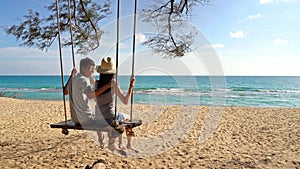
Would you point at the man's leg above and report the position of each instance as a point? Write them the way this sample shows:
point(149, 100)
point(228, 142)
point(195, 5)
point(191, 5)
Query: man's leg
point(112, 139)
point(121, 142)
point(101, 139)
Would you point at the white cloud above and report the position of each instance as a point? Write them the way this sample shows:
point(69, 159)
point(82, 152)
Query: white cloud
point(209, 46)
point(285, 0)
point(280, 41)
point(218, 45)
point(272, 1)
point(140, 38)
point(254, 16)
point(237, 34)
point(269, 63)
point(265, 1)
point(123, 45)
point(22, 53)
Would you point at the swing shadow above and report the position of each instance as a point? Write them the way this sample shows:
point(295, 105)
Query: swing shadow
point(21, 149)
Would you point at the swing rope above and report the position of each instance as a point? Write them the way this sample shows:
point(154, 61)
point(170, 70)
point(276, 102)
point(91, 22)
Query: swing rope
point(117, 58)
point(72, 49)
point(133, 53)
point(71, 32)
point(60, 59)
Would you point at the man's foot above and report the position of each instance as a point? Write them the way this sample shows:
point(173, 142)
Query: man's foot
point(129, 147)
point(122, 147)
point(114, 148)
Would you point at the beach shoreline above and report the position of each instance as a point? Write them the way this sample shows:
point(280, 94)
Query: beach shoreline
point(244, 137)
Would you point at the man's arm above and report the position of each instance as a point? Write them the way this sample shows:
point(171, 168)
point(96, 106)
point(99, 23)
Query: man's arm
point(92, 94)
point(102, 89)
point(73, 73)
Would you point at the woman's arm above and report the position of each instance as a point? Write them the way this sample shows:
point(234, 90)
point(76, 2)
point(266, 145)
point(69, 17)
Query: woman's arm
point(121, 96)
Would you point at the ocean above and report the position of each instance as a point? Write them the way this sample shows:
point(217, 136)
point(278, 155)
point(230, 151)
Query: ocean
point(251, 91)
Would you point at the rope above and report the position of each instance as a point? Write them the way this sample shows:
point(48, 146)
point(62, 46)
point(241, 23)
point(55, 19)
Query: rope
point(117, 58)
point(133, 53)
point(71, 34)
point(60, 58)
point(73, 55)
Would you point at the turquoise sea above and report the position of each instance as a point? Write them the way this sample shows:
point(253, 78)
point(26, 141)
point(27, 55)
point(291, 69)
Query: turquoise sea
point(253, 91)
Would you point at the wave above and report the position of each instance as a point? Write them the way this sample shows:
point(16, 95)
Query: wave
point(220, 93)
point(43, 89)
point(159, 90)
point(249, 89)
point(244, 89)
point(173, 92)
point(240, 91)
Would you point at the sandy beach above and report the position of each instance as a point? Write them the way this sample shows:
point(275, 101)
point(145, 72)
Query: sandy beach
point(243, 138)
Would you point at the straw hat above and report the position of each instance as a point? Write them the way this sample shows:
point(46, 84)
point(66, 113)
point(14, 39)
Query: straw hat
point(107, 66)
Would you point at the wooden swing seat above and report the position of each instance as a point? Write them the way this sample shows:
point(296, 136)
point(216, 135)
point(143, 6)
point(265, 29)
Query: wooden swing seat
point(100, 126)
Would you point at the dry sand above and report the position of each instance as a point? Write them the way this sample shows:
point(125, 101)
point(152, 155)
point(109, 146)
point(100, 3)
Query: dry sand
point(244, 138)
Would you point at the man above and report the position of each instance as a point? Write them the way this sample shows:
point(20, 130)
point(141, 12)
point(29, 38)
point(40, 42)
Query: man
point(80, 87)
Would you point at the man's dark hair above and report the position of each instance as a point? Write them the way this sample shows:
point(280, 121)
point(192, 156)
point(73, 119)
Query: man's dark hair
point(84, 63)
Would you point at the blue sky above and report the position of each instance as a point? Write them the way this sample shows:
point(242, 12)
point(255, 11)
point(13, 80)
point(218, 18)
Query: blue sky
point(253, 37)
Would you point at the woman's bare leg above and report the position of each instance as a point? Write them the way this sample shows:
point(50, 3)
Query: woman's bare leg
point(130, 134)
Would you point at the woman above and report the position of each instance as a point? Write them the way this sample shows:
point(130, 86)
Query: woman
point(106, 101)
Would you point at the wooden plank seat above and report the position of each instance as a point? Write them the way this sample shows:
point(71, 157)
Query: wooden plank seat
point(99, 126)
point(131, 124)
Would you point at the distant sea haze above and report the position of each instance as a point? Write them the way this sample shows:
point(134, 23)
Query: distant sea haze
point(252, 91)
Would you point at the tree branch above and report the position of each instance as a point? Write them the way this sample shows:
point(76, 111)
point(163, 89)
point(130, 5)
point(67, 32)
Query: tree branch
point(92, 24)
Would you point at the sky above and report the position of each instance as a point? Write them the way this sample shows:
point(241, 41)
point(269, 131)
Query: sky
point(246, 38)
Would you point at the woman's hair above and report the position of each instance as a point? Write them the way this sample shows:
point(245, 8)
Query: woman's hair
point(104, 79)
